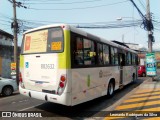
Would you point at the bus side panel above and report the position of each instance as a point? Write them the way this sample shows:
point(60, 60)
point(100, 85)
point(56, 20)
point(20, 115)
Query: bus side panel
point(21, 65)
point(65, 57)
point(65, 64)
point(91, 83)
point(127, 73)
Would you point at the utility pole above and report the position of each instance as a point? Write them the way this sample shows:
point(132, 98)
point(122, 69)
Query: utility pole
point(150, 33)
point(150, 37)
point(15, 29)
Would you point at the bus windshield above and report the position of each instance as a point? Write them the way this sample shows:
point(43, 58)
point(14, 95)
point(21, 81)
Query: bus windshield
point(43, 41)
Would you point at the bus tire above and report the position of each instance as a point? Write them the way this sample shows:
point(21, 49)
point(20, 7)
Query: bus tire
point(110, 91)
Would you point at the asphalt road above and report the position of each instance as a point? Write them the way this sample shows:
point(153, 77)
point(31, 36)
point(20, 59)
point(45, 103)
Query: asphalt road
point(95, 109)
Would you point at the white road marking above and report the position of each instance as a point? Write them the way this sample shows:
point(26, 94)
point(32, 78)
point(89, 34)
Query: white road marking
point(26, 100)
point(13, 102)
point(8, 97)
point(30, 107)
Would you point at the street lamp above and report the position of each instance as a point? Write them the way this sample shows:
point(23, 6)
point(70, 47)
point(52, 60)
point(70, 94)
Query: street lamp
point(121, 18)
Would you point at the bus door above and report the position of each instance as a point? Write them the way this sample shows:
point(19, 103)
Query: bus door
point(122, 63)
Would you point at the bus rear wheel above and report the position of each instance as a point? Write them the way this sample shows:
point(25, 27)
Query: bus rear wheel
point(110, 89)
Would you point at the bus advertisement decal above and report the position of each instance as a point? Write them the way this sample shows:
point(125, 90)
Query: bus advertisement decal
point(88, 80)
point(56, 45)
point(27, 64)
point(27, 43)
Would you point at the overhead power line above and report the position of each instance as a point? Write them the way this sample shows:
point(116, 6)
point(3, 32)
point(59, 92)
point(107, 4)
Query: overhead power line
point(5, 24)
point(112, 25)
point(94, 25)
point(18, 4)
point(39, 2)
point(147, 24)
point(142, 4)
point(5, 16)
point(141, 14)
point(5, 21)
point(81, 7)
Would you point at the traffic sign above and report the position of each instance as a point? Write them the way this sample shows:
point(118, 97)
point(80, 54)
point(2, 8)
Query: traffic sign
point(13, 68)
point(151, 68)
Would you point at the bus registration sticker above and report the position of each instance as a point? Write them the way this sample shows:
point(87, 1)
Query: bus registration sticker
point(56, 45)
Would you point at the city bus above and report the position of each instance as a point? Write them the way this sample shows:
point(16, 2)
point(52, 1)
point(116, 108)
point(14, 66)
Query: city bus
point(62, 64)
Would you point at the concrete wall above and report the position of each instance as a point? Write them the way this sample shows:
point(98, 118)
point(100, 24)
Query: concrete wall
point(6, 55)
point(6, 70)
point(5, 40)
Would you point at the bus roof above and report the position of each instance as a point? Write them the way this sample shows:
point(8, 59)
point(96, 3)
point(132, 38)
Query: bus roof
point(81, 32)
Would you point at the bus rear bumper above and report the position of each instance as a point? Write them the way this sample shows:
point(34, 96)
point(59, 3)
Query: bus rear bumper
point(64, 99)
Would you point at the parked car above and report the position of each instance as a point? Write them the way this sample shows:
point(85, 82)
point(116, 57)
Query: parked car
point(7, 86)
point(142, 71)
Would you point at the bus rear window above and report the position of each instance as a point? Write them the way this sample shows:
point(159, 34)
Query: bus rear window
point(43, 41)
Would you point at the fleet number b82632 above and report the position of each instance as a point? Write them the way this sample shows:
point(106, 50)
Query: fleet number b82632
point(47, 66)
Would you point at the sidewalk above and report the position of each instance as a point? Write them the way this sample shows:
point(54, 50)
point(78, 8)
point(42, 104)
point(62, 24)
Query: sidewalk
point(143, 104)
point(158, 75)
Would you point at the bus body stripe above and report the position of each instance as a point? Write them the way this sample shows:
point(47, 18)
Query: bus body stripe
point(21, 61)
point(64, 60)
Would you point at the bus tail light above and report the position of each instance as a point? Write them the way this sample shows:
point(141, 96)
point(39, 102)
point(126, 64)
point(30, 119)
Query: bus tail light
point(20, 77)
point(21, 80)
point(62, 84)
point(63, 78)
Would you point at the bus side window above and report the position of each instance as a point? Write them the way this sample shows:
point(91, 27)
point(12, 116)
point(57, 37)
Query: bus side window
point(100, 53)
point(128, 58)
point(89, 52)
point(133, 59)
point(106, 56)
point(78, 58)
point(112, 56)
point(93, 51)
point(137, 60)
point(78, 52)
point(116, 56)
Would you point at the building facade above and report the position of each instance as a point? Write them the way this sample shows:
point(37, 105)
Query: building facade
point(6, 53)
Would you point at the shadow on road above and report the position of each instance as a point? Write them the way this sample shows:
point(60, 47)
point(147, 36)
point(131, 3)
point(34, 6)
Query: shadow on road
point(15, 93)
point(88, 109)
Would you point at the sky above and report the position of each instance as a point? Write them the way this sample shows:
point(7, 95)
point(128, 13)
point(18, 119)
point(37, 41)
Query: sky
point(85, 13)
